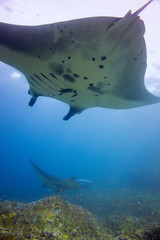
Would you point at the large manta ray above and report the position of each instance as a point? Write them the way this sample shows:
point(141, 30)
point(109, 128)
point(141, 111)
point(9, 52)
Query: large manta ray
point(59, 184)
point(89, 62)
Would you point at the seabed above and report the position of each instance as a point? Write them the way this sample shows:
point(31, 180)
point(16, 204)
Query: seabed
point(111, 215)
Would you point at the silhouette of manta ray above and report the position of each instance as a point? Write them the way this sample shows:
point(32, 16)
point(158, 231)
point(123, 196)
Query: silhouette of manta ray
point(59, 184)
point(89, 62)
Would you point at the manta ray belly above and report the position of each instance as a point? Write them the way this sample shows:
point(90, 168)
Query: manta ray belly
point(90, 62)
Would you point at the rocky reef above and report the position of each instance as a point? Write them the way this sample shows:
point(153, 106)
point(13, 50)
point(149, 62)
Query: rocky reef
point(54, 218)
point(49, 218)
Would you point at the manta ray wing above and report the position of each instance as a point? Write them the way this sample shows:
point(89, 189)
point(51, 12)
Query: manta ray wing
point(90, 62)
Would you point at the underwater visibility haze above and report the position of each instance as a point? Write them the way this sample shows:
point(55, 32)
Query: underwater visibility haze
point(117, 149)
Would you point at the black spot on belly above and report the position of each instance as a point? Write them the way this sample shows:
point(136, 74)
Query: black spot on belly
point(95, 89)
point(91, 85)
point(75, 75)
point(101, 66)
point(66, 90)
point(73, 93)
point(85, 78)
point(105, 77)
point(69, 57)
point(103, 58)
point(93, 59)
point(57, 68)
point(135, 58)
point(72, 100)
point(68, 78)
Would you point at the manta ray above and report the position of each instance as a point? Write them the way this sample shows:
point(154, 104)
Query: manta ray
point(59, 184)
point(86, 63)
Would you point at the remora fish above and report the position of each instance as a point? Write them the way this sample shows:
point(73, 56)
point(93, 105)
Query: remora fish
point(89, 62)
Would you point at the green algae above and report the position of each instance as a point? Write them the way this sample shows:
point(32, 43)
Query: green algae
point(50, 218)
point(150, 232)
point(54, 218)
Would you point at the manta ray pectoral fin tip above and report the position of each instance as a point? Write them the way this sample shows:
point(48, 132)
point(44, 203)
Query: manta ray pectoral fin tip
point(72, 112)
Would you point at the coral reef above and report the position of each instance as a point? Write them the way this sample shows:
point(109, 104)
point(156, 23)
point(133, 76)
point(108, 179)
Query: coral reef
point(50, 218)
point(151, 232)
point(54, 218)
point(125, 214)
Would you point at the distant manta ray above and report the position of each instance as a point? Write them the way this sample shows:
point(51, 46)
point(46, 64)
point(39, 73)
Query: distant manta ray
point(89, 62)
point(59, 184)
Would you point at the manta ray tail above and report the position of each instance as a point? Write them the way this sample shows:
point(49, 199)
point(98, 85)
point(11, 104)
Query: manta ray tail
point(142, 8)
point(129, 14)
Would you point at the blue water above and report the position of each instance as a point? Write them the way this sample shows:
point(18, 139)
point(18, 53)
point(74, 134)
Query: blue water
point(116, 149)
